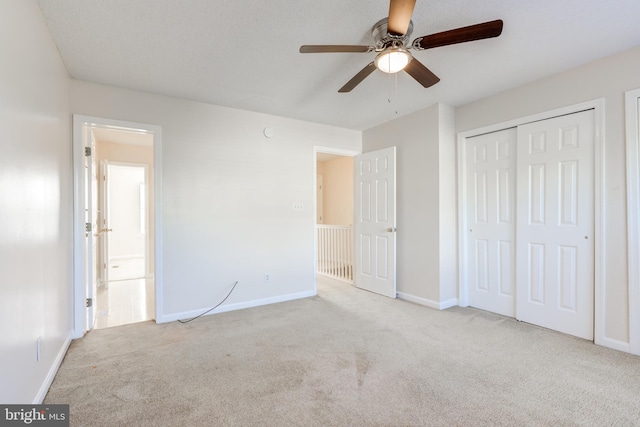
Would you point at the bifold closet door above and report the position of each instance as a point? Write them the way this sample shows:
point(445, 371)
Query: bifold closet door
point(555, 224)
point(490, 212)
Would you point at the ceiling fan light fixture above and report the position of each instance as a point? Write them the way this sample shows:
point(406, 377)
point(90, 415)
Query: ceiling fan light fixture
point(393, 59)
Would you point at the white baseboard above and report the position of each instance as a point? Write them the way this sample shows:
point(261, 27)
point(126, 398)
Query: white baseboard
point(44, 388)
point(237, 306)
point(442, 305)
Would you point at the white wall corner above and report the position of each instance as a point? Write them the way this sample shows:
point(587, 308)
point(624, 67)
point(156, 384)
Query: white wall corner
point(438, 305)
point(463, 295)
point(448, 261)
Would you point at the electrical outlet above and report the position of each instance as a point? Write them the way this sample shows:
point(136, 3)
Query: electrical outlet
point(267, 277)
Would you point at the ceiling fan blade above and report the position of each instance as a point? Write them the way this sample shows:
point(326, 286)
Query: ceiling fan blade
point(355, 81)
point(400, 12)
point(328, 48)
point(485, 30)
point(422, 74)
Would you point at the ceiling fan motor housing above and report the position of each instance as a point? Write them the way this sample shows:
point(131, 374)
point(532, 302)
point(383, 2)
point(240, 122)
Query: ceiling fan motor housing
point(384, 39)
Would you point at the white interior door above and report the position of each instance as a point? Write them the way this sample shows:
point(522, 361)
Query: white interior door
point(490, 205)
point(375, 221)
point(555, 215)
point(91, 215)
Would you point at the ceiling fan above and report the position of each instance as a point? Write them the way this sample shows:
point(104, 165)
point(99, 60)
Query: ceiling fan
point(391, 36)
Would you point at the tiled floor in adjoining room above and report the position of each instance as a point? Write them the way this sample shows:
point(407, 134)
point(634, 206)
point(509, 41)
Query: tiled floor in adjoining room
point(124, 302)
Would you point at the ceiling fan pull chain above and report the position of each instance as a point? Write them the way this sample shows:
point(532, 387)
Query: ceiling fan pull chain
point(396, 79)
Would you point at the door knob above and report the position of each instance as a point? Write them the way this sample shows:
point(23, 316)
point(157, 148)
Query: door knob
point(104, 230)
point(391, 229)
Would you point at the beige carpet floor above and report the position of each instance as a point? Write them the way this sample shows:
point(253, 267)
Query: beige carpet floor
point(345, 358)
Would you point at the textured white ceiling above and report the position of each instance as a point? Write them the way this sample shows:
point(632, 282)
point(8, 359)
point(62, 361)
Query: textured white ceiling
point(244, 53)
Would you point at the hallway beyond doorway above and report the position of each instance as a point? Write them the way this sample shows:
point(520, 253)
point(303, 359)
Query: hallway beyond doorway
point(123, 302)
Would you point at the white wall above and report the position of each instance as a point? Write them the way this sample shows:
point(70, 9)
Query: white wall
point(607, 78)
point(35, 204)
point(448, 207)
point(426, 236)
point(227, 196)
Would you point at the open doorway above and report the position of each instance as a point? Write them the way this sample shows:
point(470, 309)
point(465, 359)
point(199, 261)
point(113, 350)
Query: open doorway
point(334, 214)
point(122, 285)
point(126, 290)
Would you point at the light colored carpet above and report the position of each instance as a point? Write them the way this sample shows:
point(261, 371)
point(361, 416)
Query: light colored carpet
point(345, 358)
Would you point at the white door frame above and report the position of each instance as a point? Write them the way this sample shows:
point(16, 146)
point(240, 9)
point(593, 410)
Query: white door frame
point(328, 150)
point(632, 110)
point(599, 209)
point(79, 293)
point(91, 218)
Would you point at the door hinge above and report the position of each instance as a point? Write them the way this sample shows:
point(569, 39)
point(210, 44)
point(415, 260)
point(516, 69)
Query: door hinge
point(89, 302)
point(87, 151)
point(87, 226)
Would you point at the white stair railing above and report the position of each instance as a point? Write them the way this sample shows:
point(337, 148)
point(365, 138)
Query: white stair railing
point(335, 251)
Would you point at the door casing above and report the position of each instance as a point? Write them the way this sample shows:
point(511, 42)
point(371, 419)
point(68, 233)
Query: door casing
point(80, 122)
